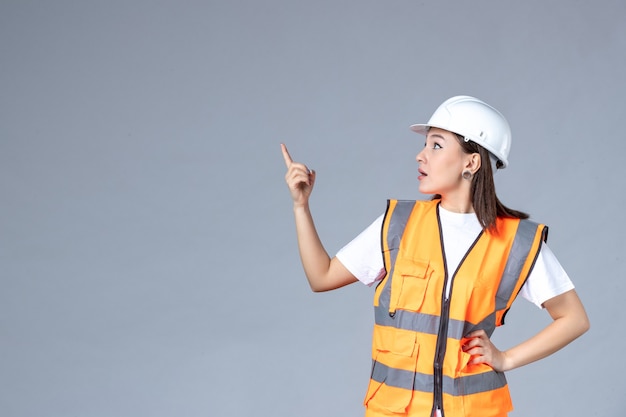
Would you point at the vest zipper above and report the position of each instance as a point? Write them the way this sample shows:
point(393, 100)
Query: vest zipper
point(440, 352)
point(442, 335)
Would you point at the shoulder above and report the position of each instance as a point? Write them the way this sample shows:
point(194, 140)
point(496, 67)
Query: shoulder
point(400, 211)
point(411, 205)
point(522, 228)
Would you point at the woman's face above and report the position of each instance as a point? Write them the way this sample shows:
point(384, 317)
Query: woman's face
point(441, 163)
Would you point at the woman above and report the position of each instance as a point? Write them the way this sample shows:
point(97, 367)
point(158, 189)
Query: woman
point(448, 271)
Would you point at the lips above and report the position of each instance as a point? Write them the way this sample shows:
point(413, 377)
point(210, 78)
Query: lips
point(422, 173)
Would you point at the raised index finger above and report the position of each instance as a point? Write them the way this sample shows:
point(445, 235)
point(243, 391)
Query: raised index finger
point(286, 155)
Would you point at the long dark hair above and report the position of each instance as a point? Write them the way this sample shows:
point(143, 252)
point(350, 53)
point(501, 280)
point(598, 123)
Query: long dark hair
point(483, 190)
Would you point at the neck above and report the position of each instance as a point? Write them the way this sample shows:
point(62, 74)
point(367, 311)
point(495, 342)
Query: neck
point(457, 205)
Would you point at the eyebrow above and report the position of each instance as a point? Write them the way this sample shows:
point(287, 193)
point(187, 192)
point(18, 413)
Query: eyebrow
point(437, 135)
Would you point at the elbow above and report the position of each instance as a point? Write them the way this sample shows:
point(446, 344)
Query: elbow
point(314, 288)
point(323, 286)
point(318, 288)
point(319, 283)
point(580, 326)
point(581, 318)
point(585, 325)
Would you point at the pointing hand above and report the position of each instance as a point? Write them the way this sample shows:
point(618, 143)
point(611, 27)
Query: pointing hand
point(299, 178)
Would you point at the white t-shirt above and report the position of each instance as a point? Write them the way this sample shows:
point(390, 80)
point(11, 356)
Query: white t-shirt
point(363, 256)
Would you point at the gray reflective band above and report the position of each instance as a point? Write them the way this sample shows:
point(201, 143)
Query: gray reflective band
point(465, 385)
point(522, 243)
point(488, 324)
point(397, 224)
point(419, 322)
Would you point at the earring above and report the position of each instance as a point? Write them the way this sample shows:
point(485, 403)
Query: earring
point(467, 175)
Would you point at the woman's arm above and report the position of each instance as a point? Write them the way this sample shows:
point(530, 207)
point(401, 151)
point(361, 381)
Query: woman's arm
point(569, 322)
point(322, 272)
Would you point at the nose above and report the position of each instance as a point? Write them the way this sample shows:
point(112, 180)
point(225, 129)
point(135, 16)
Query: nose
point(420, 156)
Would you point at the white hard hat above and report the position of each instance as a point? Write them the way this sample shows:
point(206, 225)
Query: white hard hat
point(475, 120)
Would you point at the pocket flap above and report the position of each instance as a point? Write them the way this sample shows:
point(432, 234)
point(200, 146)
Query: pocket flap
point(397, 341)
point(408, 267)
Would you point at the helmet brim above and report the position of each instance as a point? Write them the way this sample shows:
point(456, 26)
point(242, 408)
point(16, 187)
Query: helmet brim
point(423, 129)
point(420, 128)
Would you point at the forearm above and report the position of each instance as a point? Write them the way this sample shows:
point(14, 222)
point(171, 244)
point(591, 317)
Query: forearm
point(315, 259)
point(569, 322)
point(552, 338)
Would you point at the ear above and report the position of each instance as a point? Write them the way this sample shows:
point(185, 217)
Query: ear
point(473, 162)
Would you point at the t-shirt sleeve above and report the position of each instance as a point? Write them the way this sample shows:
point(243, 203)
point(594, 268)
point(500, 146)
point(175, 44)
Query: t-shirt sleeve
point(363, 255)
point(547, 279)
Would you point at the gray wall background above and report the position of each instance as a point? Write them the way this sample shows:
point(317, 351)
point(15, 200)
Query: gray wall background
point(147, 249)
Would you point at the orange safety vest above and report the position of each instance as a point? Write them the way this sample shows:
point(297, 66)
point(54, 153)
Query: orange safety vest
point(418, 363)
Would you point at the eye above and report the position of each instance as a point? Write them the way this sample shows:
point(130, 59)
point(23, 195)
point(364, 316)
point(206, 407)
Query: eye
point(436, 146)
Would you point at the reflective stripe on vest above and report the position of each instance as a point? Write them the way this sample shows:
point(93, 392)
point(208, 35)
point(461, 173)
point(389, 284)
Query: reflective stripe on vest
point(408, 312)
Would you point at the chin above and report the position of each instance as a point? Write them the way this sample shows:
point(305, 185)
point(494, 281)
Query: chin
point(426, 190)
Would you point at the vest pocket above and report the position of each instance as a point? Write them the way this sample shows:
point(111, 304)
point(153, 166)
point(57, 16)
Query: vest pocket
point(464, 369)
point(463, 363)
point(393, 370)
point(481, 390)
point(410, 281)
